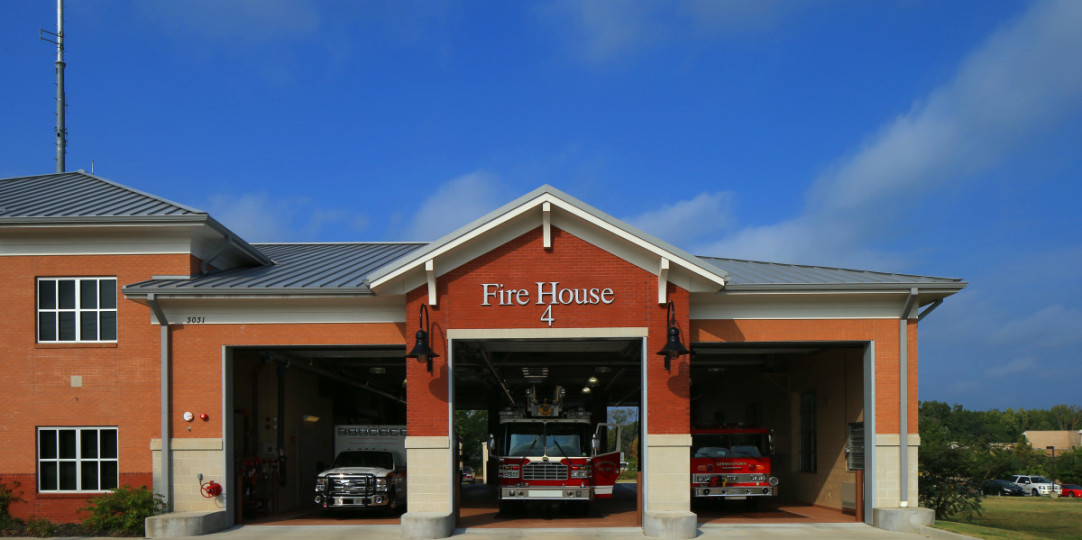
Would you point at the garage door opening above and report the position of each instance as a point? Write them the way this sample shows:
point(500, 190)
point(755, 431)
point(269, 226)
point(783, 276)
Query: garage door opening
point(781, 410)
point(288, 405)
point(528, 410)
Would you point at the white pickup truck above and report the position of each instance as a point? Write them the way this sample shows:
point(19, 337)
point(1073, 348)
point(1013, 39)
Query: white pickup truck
point(1033, 484)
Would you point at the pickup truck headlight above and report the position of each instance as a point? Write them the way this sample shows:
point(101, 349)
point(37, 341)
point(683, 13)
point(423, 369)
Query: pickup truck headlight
point(381, 484)
point(321, 483)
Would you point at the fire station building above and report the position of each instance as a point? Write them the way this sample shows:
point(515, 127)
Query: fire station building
point(149, 345)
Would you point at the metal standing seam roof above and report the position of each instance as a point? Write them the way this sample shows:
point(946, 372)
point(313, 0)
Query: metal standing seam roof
point(755, 275)
point(78, 196)
point(301, 268)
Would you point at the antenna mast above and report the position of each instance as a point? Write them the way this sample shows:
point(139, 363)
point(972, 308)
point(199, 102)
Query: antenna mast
point(61, 130)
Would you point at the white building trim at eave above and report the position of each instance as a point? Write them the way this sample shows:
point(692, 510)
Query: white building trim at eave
point(797, 305)
point(536, 204)
point(195, 311)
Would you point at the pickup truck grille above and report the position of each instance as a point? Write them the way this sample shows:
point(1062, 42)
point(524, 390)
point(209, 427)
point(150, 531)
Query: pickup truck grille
point(544, 471)
point(353, 484)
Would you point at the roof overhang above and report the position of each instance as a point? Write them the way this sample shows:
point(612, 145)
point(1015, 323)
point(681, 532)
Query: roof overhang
point(543, 207)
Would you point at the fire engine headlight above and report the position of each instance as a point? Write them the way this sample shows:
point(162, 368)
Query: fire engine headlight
point(700, 478)
point(578, 474)
point(381, 484)
point(758, 478)
point(321, 484)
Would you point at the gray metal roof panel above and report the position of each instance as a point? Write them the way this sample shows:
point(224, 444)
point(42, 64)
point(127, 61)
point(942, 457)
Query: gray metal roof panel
point(745, 274)
point(80, 196)
point(317, 268)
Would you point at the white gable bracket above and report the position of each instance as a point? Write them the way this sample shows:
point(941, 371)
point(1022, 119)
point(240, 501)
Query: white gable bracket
point(663, 282)
point(546, 222)
point(430, 274)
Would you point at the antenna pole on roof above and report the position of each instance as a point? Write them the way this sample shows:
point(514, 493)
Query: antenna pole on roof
point(61, 130)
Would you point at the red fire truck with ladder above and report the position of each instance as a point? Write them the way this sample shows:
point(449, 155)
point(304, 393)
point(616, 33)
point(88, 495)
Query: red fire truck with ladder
point(546, 453)
point(732, 462)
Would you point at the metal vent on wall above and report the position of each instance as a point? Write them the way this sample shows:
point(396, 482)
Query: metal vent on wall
point(854, 447)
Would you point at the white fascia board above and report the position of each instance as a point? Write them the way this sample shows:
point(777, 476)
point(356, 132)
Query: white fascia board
point(282, 310)
point(559, 208)
point(644, 244)
point(143, 239)
point(837, 305)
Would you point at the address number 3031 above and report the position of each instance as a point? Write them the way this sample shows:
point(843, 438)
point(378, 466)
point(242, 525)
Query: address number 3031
point(195, 320)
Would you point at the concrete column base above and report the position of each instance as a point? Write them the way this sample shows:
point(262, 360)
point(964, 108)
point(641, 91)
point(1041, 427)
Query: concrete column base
point(427, 525)
point(672, 524)
point(908, 520)
point(176, 524)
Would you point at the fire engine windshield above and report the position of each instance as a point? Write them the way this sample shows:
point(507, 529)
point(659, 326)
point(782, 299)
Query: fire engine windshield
point(723, 445)
point(382, 460)
point(550, 439)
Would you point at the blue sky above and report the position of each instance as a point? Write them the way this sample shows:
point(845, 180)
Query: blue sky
point(928, 137)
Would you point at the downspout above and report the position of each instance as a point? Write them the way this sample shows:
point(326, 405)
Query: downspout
point(903, 391)
point(166, 490)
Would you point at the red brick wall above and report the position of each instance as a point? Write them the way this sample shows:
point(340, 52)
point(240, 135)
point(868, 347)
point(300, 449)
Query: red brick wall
point(36, 382)
point(885, 333)
point(519, 264)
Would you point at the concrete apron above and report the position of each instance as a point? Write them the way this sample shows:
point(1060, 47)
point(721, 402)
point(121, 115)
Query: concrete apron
point(827, 531)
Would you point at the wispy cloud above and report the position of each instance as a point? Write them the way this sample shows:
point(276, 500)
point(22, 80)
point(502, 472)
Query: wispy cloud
point(685, 223)
point(1014, 367)
point(1015, 86)
point(455, 203)
point(602, 30)
point(244, 21)
point(257, 217)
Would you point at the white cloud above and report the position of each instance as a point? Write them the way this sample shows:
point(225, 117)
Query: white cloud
point(601, 30)
point(256, 217)
point(246, 21)
point(684, 223)
point(1016, 366)
point(456, 203)
point(1019, 82)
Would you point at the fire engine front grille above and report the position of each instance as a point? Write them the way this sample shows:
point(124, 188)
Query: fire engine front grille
point(358, 484)
point(544, 471)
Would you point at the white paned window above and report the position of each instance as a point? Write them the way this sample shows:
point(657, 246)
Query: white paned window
point(77, 459)
point(76, 310)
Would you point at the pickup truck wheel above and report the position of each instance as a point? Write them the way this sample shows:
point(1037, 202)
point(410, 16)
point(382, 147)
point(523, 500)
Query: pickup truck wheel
point(1035, 493)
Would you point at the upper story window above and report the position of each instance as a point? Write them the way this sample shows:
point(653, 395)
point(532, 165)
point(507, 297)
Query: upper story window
point(76, 309)
point(77, 459)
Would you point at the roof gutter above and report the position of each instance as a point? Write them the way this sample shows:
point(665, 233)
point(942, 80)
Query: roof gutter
point(166, 489)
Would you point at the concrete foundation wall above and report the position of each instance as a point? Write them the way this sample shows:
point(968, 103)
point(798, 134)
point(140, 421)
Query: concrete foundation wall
point(192, 457)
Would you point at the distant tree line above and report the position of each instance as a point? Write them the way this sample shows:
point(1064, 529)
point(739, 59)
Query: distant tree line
point(961, 449)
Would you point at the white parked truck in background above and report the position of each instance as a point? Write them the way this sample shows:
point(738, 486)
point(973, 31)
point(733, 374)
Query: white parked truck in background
point(369, 469)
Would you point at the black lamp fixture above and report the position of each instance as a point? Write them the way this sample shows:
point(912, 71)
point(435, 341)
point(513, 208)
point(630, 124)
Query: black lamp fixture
point(673, 348)
point(421, 351)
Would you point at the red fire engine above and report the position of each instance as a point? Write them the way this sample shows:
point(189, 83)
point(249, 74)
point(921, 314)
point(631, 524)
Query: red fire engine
point(541, 454)
point(732, 462)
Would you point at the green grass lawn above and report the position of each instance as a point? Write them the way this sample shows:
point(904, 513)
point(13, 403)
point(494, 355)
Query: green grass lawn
point(1022, 518)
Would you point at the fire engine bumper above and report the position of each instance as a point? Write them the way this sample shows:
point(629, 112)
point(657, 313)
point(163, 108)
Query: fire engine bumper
point(377, 500)
point(545, 493)
point(734, 491)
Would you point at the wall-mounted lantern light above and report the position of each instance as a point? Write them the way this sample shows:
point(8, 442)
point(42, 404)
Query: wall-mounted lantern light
point(421, 351)
point(673, 348)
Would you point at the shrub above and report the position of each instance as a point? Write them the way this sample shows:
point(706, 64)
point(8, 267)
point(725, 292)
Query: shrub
point(40, 527)
point(123, 511)
point(7, 497)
